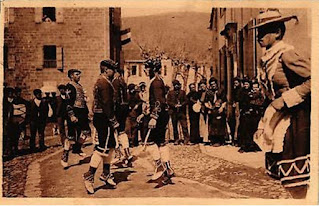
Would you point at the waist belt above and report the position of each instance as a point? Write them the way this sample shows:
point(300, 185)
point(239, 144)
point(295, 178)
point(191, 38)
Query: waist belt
point(102, 150)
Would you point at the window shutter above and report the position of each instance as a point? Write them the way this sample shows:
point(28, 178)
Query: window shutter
point(59, 15)
point(38, 15)
point(59, 58)
point(11, 15)
point(139, 70)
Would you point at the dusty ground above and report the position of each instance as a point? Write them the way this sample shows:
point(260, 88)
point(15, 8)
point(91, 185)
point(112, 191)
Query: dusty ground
point(198, 175)
point(15, 170)
point(190, 163)
point(132, 182)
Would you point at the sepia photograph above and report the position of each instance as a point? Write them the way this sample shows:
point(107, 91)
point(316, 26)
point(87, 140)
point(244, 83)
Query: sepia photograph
point(145, 103)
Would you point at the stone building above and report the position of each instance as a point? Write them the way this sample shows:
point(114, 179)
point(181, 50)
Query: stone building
point(134, 71)
point(42, 44)
point(235, 49)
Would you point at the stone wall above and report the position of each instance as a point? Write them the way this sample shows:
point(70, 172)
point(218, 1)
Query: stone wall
point(82, 33)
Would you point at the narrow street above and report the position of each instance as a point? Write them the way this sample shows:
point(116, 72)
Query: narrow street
point(197, 175)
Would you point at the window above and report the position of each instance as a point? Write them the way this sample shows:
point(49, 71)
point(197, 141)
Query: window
point(165, 70)
point(49, 56)
point(48, 14)
point(222, 11)
point(134, 68)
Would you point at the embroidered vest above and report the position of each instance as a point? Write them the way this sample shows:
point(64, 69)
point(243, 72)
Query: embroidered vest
point(80, 101)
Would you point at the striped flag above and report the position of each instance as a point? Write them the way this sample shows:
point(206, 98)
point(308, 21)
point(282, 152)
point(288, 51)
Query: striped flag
point(126, 36)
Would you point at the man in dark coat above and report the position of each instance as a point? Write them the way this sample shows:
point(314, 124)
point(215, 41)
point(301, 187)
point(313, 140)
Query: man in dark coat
point(245, 114)
point(234, 120)
point(135, 109)
point(24, 108)
point(192, 98)
point(61, 112)
point(7, 112)
point(121, 112)
point(105, 122)
point(39, 109)
point(18, 119)
point(177, 101)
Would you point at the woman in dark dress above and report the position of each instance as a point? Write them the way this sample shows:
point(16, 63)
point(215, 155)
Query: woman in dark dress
point(192, 98)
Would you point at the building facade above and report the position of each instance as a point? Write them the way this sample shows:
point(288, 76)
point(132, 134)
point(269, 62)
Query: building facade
point(236, 51)
point(42, 44)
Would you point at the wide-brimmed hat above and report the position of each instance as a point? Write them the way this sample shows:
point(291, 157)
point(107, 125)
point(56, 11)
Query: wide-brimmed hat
point(271, 16)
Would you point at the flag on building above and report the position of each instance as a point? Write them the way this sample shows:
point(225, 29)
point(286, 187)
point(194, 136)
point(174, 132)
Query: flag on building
point(125, 36)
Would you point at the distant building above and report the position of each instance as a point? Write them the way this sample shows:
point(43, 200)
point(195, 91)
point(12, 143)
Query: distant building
point(235, 49)
point(134, 71)
point(42, 44)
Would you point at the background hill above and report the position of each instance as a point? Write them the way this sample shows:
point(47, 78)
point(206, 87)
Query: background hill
point(182, 36)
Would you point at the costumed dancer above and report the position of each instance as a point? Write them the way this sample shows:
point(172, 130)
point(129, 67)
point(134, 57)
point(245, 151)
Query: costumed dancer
point(284, 131)
point(143, 118)
point(158, 122)
point(107, 127)
point(78, 121)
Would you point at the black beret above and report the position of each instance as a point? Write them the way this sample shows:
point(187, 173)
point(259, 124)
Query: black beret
point(237, 79)
point(110, 64)
point(61, 86)
point(71, 71)
point(18, 89)
point(141, 84)
point(9, 90)
point(213, 79)
point(246, 79)
point(254, 81)
point(37, 91)
point(176, 82)
point(131, 87)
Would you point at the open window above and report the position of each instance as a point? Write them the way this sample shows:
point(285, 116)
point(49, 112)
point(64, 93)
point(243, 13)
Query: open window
point(48, 14)
point(134, 68)
point(222, 12)
point(49, 56)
